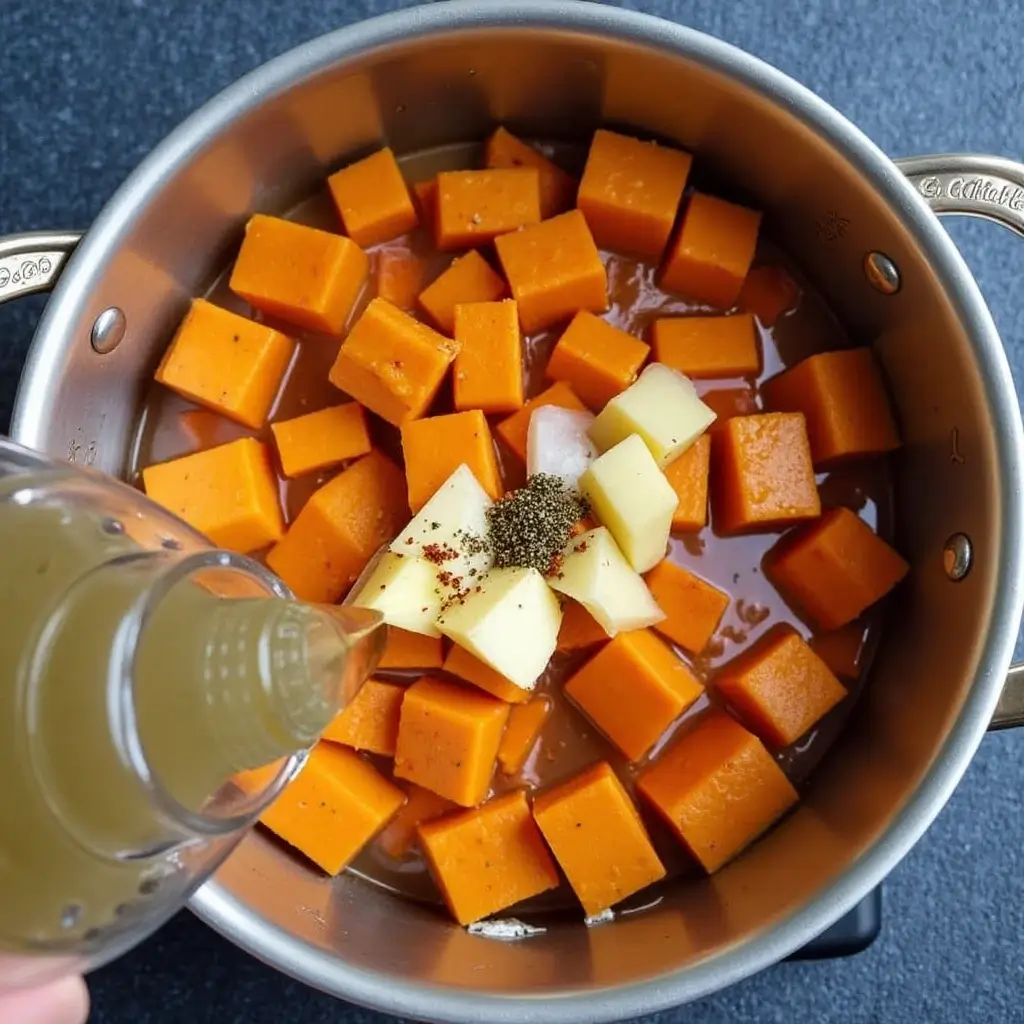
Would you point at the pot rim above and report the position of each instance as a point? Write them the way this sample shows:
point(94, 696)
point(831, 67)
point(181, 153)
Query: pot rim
point(230, 917)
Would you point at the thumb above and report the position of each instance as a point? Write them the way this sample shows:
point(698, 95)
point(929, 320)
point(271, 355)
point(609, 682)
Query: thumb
point(61, 1002)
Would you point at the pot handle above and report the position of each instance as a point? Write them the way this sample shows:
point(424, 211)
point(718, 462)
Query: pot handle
point(31, 262)
point(990, 187)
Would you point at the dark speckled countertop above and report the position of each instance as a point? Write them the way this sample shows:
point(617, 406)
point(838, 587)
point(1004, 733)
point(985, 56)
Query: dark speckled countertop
point(87, 87)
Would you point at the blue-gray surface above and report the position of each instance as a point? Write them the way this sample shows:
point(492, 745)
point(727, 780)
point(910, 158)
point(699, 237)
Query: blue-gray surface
point(88, 86)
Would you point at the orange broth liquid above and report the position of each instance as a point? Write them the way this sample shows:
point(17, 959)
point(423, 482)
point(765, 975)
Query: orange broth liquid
point(170, 427)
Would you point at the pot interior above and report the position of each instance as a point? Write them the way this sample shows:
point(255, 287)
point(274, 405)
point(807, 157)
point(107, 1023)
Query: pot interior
point(829, 200)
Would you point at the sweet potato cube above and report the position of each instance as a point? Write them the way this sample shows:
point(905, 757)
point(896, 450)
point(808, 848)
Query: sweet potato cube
point(392, 363)
point(435, 447)
point(717, 788)
point(448, 737)
point(308, 277)
point(373, 199)
point(554, 271)
point(693, 607)
point(597, 837)
point(779, 687)
point(630, 193)
point(340, 528)
point(832, 570)
point(400, 277)
point(633, 689)
point(525, 722)
point(321, 439)
point(227, 363)
point(332, 808)
point(688, 476)
point(470, 278)
point(843, 399)
point(370, 722)
point(228, 493)
point(426, 199)
point(557, 187)
point(459, 662)
point(842, 650)
point(488, 859)
point(399, 835)
point(515, 430)
point(404, 649)
point(728, 402)
point(769, 292)
point(763, 477)
point(712, 252)
point(488, 370)
point(597, 360)
point(579, 628)
point(474, 207)
point(708, 347)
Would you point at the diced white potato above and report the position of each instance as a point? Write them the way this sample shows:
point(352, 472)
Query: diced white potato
point(511, 623)
point(662, 406)
point(595, 573)
point(558, 443)
point(457, 509)
point(629, 494)
point(405, 591)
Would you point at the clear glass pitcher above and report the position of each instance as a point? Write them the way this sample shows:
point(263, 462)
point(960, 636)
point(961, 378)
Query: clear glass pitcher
point(142, 674)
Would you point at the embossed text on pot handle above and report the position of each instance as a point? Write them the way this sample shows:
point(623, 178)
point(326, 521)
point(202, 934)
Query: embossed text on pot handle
point(32, 262)
point(968, 183)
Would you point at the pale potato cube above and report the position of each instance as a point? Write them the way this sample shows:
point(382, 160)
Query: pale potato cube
point(662, 407)
point(595, 573)
point(511, 623)
point(557, 443)
point(457, 510)
point(405, 591)
point(629, 494)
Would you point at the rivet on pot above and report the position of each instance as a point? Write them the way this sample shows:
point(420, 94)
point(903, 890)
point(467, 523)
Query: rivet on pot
point(957, 556)
point(108, 330)
point(882, 273)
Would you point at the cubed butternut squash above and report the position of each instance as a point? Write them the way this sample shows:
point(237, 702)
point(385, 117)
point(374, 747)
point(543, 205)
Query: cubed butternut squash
point(688, 476)
point(693, 607)
point(728, 402)
point(300, 274)
point(515, 430)
point(842, 650)
point(426, 199)
point(399, 835)
point(401, 276)
point(769, 293)
point(227, 363)
point(832, 570)
point(373, 199)
point(474, 207)
point(404, 649)
point(488, 859)
point(459, 662)
point(579, 628)
point(717, 788)
point(321, 439)
point(448, 738)
point(470, 278)
point(370, 722)
point(488, 371)
point(525, 722)
point(708, 347)
point(228, 493)
point(557, 187)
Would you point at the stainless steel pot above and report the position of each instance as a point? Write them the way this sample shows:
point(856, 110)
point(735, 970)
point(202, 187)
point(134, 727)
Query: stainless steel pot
point(857, 222)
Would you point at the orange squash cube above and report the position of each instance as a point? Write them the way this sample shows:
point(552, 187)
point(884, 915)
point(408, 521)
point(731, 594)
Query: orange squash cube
point(579, 628)
point(843, 398)
point(448, 737)
point(842, 650)
point(308, 277)
point(399, 835)
point(688, 476)
point(391, 363)
point(404, 649)
point(426, 199)
point(554, 271)
point(598, 361)
point(728, 402)
point(630, 193)
point(461, 663)
point(435, 447)
point(514, 431)
point(227, 363)
point(769, 293)
point(400, 277)
point(712, 252)
point(834, 569)
point(693, 607)
point(488, 370)
point(228, 493)
point(488, 859)
point(474, 207)
point(779, 687)
point(370, 722)
point(340, 528)
point(633, 689)
point(708, 347)
point(321, 439)
point(557, 187)
point(597, 837)
point(717, 788)
point(373, 199)
point(470, 278)
point(763, 477)
point(525, 722)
